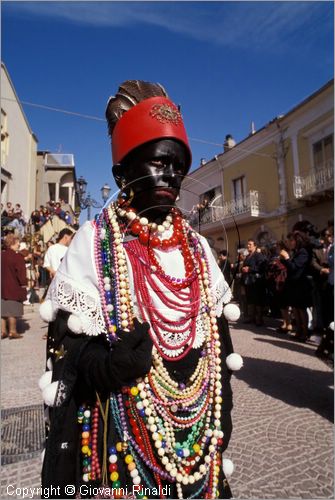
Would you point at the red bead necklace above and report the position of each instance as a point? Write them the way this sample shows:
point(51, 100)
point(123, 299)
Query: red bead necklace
point(163, 328)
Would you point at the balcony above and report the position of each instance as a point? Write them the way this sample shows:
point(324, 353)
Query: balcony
point(242, 209)
point(59, 160)
point(316, 183)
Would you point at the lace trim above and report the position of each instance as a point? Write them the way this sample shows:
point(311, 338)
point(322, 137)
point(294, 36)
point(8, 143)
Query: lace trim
point(199, 332)
point(69, 298)
point(222, 295)
point(61, 394)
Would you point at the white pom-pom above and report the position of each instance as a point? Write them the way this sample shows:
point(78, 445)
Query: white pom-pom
point(49, 393)
point(42, 455)
point(234, 361)
point(75, 324)
point(227, 467)
point(47, 312)
point(331, 325)
point(45, 380)
point(231, 312)
point(49, 364)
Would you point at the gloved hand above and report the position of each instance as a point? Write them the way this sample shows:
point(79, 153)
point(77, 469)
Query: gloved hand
point(131, 355)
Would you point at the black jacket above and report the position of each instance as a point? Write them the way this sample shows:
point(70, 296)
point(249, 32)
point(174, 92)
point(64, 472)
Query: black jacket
point(83, 365)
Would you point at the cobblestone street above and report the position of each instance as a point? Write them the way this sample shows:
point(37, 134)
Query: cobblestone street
point(282, 442)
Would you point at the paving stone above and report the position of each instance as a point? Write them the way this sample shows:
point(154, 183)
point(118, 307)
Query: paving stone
point(282, 440)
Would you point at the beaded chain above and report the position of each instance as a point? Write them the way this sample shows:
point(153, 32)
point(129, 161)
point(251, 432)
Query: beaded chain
point(150, 414)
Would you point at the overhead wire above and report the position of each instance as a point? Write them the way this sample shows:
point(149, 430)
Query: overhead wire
point(96, 118)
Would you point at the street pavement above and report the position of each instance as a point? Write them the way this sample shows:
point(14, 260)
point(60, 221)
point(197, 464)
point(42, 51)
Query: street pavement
point(282, 441)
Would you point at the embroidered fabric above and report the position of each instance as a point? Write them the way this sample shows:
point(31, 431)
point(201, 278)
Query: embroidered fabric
point(199, 332)
point(65, 295)
point(61, 393)
point(75, 286)
point(221, 294)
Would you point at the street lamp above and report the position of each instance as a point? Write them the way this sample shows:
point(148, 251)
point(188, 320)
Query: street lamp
point(88, 202)
point(105, 191)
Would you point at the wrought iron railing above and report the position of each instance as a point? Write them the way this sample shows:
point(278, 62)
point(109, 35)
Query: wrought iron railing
point(319, 180)
point(219, 210)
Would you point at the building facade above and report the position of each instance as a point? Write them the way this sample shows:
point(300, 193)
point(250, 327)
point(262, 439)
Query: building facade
point(56, 179)
point(28, 176)
point(18, 150)
point(260, 187)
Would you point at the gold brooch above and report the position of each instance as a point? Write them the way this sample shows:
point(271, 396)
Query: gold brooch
point(60, 353)
point(165, 113)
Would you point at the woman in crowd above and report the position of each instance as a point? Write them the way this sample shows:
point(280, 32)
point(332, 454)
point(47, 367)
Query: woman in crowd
point(276, 274)
point(225, 266)
point(253, 277)
point(13, 286)
point(298, 286)
point(139, 344)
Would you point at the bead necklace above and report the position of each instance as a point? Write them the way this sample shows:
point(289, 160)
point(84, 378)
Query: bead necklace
point(158, 408)
point(160, 324)
point(149, 234)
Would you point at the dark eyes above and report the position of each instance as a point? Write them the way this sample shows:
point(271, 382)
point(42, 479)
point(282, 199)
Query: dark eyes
point(165, 162)
point(158, 163)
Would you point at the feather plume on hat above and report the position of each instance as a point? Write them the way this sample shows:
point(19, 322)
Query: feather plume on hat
point(130, 93)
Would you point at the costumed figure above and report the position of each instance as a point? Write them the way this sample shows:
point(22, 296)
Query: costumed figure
point(139, 357)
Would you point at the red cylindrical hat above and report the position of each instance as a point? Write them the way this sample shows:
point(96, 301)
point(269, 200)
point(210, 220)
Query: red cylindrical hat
point(153, 118)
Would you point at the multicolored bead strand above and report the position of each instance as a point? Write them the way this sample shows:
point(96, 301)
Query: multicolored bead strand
point(153, 411)
point(84, 418)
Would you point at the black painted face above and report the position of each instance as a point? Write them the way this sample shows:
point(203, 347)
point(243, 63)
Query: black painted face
point(155, 172)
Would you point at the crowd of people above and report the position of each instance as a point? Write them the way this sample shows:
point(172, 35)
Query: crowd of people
point(12, 217)
point(291, 279)
point(44, 213)
point(29, 260)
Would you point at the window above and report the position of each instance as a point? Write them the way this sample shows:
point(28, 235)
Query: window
point(207, 197)
point(52, 191)
point(207, 212)
point(4, 137)
point(239, 189)
point(64, 194)
point(323, 151)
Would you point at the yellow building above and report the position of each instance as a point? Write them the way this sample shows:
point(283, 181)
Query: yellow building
point(260, 187)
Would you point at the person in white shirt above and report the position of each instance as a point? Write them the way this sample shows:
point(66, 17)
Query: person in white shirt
point(55, 253)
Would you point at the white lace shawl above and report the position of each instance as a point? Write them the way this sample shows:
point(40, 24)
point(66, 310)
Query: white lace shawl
point(75, 286)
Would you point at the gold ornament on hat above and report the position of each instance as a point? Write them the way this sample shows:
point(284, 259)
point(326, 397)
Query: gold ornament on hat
point(165, 113)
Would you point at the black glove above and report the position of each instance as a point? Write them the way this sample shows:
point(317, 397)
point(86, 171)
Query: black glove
point(131, 355)
point(104, 370)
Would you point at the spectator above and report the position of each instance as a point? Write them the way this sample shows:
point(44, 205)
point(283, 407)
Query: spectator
point(326, 347)
point(276, 275)
point(225, 266)
point(253, 271)
point(239, 288)
point(56, 252)
point(59, 211)
point(13, 286)
point(7, 210)
point(298, 287)
point(35, 219)
point(68, 218)
point(18, 210)
point(320, 273)
point(15, 222)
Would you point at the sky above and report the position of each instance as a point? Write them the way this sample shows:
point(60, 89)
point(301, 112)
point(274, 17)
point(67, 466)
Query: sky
point(226, 63)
